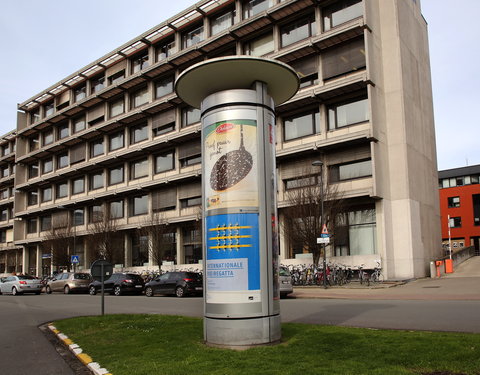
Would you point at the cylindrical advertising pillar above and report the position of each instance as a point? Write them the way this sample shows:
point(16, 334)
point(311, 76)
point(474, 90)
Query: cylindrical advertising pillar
point(240, 233)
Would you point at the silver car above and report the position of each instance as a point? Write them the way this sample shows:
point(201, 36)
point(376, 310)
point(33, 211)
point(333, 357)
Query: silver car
point(20, 284)
point(285, 281)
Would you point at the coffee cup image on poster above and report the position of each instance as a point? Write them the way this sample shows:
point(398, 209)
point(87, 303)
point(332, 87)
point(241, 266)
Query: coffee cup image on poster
point(230, 159)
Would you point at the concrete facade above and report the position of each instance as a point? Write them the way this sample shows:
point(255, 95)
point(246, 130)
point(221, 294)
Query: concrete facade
point(364, 109)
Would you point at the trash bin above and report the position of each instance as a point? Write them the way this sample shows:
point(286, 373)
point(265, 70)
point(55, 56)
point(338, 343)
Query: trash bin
point(448, 266)
point(432, 269)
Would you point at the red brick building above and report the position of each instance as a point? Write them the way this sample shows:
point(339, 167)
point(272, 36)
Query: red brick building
point(460, 198)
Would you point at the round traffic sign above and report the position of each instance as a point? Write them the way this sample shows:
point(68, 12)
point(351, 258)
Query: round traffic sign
point(101, 267)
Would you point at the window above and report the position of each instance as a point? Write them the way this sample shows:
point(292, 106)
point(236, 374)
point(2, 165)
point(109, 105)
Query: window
point(96, 181)
point(222, 21)
point(116, 141)
point(191, 202)
point(164, 87)
point(35, 116)
point(80, 93)
point(165, 162)
point(453, 202)
point(45, 223)
point(163, 122)
point(138, 169)
point(139, 205)
point(115, 175)
point(252, 7)
point(61, 190)
point(116, 209)
point(32, 198)
point(62, 160)
point(345, 58)
point(165, 49)
point(78, 124)
point(78, 217)
point(307, 70)
point(5, 149)
point(32, 225)
point(140, 62)
point(33, 170)
point(455, 222)
point(47, 137)
point(95, 213)
point(117, 77)
point(476, 209)
point(4, 194)
point(350, 171)
point(295, 183)
point(47, 165)
point(33, 143)
point(302, 125)
point(117, 107)
point(62, 131)
point(190, 116)
point(4, 214)
point(189, 154)
point(78, 185)
point(347, 114)
point(139, 250)
point(260, 46)
point(139, 97)
point(341, 12)
point(297, 30)
point(49, 109)
point(191, 160)
point(192, 37)
point(97, 83)
point(138, 133)
point(96, 148)
point(4, 171)
point(355, 233)
point(47, 194)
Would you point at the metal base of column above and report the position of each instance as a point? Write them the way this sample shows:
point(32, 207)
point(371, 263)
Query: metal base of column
point(242, 333)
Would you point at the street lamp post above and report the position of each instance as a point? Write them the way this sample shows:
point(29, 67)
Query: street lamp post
point(318, 163)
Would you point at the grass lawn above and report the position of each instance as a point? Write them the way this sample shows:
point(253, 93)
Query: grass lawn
point(173, 345)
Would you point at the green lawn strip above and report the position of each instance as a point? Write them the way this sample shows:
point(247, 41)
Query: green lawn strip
point(172, 345)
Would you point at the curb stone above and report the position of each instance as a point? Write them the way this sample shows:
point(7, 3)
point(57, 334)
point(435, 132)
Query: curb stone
point(94, 367)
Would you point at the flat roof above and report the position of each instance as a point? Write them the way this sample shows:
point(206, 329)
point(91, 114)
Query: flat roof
point(458, 172)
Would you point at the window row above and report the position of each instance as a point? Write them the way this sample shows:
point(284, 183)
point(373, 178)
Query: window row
point(133, 206)
point(162, 123)
point(336, 173)
point(333, 15)
point(459, 181)
point(339, 115)
point(189, 153)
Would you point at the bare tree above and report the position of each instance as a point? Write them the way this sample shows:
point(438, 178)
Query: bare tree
point(302, 223)
point(161, 237)
point(59, 241)
point(105, 240)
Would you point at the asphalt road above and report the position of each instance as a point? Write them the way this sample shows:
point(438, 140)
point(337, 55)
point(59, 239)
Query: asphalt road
point(25, 350)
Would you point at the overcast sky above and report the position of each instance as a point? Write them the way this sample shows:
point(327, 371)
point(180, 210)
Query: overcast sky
point(44, 41)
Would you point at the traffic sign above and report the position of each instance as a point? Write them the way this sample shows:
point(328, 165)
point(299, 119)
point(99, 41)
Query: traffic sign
point(101, 269)
point(325, 240)
point(74, 259)
point(324, 229)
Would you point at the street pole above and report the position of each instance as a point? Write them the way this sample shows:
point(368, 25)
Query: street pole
point(449, 238)
point(318, 163)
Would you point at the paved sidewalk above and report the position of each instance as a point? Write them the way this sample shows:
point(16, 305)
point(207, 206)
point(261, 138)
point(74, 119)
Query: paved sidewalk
point(463, 284)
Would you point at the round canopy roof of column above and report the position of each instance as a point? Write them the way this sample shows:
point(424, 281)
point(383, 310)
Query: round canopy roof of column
point(236, 72)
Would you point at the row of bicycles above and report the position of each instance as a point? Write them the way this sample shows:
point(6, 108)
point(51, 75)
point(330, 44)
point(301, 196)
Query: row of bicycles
point(336, 274)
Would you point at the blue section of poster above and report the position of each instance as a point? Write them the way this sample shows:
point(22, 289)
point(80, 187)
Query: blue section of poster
point(233, 259)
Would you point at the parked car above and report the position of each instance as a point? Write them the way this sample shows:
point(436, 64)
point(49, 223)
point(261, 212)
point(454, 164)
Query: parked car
point(176, 283)
point(68, 282)
point(20, 284)
point(118, 284)
point(285, 281)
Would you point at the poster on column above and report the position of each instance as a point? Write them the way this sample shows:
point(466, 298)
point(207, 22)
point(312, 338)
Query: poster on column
point(233, 259)
point(231, 163)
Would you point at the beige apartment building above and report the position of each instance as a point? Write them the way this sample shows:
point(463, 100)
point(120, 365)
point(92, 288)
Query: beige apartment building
point(114, 137)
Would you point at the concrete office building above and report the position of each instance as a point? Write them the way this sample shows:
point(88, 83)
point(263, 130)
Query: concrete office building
point(114, 137)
